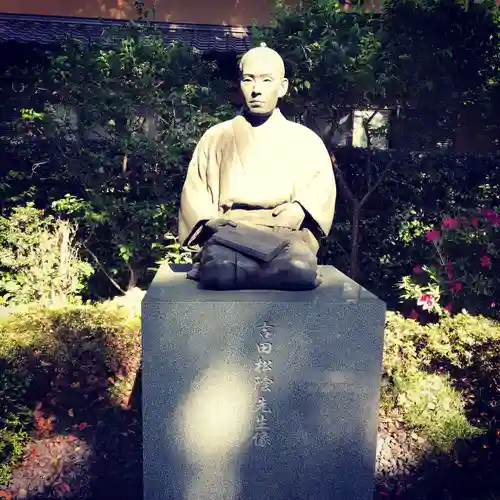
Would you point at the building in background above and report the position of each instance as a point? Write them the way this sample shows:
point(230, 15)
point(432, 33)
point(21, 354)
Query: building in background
point(213, 12)
point(219, 29)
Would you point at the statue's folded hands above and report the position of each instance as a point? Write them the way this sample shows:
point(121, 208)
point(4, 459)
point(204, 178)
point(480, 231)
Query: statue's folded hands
point(289, 215)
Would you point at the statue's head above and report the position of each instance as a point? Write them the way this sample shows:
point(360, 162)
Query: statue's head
point(262, 80)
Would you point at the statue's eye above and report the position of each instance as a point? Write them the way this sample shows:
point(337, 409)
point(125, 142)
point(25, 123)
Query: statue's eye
point(267, 80)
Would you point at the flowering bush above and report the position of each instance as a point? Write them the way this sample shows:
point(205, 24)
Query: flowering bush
point(461, 271)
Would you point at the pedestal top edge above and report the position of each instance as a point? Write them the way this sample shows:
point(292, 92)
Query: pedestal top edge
point(171, 285)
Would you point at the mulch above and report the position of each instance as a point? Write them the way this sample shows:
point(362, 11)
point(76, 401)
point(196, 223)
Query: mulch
point(97, 461)
point(54, 467)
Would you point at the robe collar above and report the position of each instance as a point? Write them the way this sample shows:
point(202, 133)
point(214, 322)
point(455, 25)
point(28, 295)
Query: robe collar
point(244, 135)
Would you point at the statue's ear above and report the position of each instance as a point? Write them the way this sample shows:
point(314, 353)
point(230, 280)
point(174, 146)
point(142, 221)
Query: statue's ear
point(284, 88)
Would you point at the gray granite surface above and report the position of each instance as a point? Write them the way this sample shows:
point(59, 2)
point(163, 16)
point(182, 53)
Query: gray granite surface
point(297, 420)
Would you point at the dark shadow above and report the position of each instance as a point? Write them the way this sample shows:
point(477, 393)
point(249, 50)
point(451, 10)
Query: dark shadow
point(117, 470)
point(135, 401)
point(468, 472)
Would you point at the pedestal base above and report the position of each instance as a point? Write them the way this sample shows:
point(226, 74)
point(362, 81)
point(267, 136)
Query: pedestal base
point(260, 395)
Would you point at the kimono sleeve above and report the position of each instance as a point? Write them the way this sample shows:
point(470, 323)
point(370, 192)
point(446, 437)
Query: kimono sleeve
point(198, 204)
point(317, 192)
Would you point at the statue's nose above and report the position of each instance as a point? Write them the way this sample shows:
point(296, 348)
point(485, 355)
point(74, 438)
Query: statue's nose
point(256, 89)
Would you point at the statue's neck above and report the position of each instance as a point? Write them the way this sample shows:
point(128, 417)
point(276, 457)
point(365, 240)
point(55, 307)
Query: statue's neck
point(257, 120)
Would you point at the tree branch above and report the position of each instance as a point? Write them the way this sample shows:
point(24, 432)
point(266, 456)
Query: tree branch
point(96, 260)
point(342, 249)
point(380, 178)
point(384, 173)
point(342, 181)
point(372, 116)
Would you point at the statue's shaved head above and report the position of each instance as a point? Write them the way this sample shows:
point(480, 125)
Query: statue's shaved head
point(265, 57)
point(262, 80)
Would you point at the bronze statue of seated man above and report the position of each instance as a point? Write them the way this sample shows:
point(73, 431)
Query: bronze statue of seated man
point(259, 192)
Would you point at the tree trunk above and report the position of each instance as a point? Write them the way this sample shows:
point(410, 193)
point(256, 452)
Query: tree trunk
point(132, 280)
point(355, 220)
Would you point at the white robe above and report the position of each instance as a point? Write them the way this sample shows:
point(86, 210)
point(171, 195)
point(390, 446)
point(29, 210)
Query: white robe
point(258, 167)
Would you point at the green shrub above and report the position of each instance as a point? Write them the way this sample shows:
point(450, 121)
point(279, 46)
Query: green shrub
point(403, 337)
point(69, 335)
point(463, 340)
point(430, 404)
point(458, 340)
point(77, 355)
point(39, 258)
point(14, 418)
point(428, 400)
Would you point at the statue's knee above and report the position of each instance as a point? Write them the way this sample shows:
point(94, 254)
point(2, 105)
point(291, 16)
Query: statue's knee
point(303, 270)
point(216, 274)
point(303, 260)
point(297, 267)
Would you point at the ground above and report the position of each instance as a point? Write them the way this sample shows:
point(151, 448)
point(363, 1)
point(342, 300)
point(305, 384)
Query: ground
point(100, 458)
point(86, 444)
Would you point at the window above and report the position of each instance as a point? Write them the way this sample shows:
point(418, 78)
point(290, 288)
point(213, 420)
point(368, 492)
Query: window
point(375, 122)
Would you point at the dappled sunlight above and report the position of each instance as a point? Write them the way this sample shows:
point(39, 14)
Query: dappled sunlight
point(215, 417)
point(213, 422)
point(78, 362)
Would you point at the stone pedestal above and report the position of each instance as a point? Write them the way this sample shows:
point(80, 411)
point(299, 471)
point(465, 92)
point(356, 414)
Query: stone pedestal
point(260, 395)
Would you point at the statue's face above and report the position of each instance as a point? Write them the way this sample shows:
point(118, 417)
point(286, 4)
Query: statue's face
point(262, 83)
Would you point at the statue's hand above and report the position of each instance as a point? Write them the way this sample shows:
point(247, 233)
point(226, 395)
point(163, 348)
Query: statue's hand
point(289, 215)
point(217, 223)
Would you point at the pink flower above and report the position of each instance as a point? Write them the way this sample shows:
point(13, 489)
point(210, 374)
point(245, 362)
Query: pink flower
point(417, 269)
point(456, 287)
point(485, 261)
point(451, 223)
point(474, 221)
point(449, 269)
point(491, 215)
point(433, 235)
point(493, 305)
point(494, 219)
point(448, 308)
point(414, 315)
point(425, 301)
